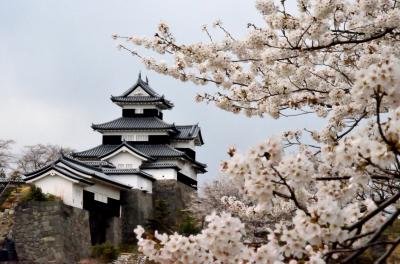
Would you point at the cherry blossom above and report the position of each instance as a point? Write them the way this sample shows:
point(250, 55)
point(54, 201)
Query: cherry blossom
point(337, 59)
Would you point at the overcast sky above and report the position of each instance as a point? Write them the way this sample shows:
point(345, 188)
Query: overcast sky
point(59, 66)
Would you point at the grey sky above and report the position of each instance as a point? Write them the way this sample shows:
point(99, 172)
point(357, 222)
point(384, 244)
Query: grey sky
point(59, 66)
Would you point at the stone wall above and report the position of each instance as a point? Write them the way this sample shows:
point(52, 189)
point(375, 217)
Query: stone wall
point(51, 232)
point(176, 194)
point(136, 207)
point(114, 232)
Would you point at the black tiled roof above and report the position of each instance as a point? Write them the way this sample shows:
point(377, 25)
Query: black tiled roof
point(94, 172)
point(66, 166)
point(135, 123)
point(59, 169)
point(188, 132)
point(121, 171)
point(152, 97)
point(128, 172)
point(98, 163)
point(141, 99)
point(158, 165)
point(136, 98)
point(96, 151)
point(144, 85)
point(161, 150)
point(131, 148)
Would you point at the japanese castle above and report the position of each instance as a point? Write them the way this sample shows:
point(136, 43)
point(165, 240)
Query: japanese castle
point(138, 150)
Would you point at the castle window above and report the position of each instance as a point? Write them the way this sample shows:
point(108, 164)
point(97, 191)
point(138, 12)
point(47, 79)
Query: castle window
point(138, 111)
point(128, 137)
point(142, 138)
point(100, 197)
point(135, 137)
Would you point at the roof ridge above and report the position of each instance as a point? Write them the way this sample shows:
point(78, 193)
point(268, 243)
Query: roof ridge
point(194, 127)
point(61, 170)
point(81, 164)
point(50, 164)
point(186, 125)
point(142, 84)
point(152, 122)
point(124, 143)
point(64, 169)
point(75, 153)
point(96, 174)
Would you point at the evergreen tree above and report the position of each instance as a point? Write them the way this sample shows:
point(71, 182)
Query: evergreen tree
point(158, 220)
point(188, 225)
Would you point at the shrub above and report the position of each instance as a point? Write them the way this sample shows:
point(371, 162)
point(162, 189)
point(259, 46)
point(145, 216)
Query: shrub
point(159, 219)
point(106, 252)
point(125, 247)
point(4, 197)
point(188, 225)
point(35, 194)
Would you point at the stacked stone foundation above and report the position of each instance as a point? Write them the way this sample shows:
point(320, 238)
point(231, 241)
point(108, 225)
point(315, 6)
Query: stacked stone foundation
point(51, 232)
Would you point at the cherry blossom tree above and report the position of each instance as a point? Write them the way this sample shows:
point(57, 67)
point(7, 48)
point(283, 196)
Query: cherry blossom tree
point(223, 195)
point(212, 197)
point(338, 59)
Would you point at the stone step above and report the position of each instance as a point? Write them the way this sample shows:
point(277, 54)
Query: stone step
point(129, 258)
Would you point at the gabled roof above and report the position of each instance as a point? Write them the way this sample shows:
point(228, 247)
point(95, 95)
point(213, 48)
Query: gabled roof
point(96, 152)
point(164, 151)
point(152, 151)
point(130, 148)
point(141, 100)
point(157, 151)
point(189, 132)
point(76, 170)
point(135, 123)
point(157, 165)
point(151, 97)
point(128, 172)
point(98, 163)
point(144, 85)
point(63, 171)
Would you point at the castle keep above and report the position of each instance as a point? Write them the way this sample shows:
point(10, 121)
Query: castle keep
point(141, 158)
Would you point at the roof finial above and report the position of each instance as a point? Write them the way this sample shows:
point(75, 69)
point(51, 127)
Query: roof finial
point(140, 75)
point(147, 80)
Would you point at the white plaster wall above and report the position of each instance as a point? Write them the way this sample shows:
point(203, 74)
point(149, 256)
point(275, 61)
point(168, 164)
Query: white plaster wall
point(125, 158)
point(187, 169)
point(184, 144)
point(145, 184)
point(137, 182)
point(130, 180)
point(77, 198)
point(163, 174)
point(138, 91)
point(105, 190)
point(57, 185)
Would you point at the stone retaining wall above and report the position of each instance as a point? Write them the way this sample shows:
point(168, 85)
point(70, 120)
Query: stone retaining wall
point(51, 232)
point(176, 194)
point(136, 207)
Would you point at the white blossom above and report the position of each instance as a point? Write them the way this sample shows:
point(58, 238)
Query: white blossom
point(337, 59)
